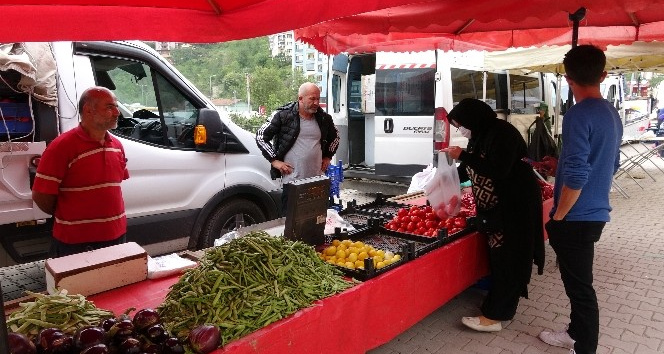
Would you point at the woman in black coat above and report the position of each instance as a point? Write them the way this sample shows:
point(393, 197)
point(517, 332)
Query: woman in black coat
point(509, 207)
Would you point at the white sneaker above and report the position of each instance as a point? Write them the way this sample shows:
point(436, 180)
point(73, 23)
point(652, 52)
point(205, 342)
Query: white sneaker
point(571, 351)
point(558, 339)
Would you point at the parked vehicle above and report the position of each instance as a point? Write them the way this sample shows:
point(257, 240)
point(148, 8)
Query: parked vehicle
point(391, 108)
point(181, 194)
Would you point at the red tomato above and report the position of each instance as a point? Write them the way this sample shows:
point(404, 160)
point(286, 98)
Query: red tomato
point(411, 226)
point(441, 224)
point(449, 223)
point(460, 222)
point(430, 216)
point(420, 230)
point(413, 210)
point(428, 209)
point(401, 229)
point(429, 224)
point(402, 212)
point(415, 218)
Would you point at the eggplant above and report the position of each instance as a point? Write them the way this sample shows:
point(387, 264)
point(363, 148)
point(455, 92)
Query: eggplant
point(88, 336)
point(45, 337)
point(121, 330)
point(172, 346)
point(108, 323)
point(20, 344)
point(96, 349)
point(204, 338)
point(130, 345)
point(145, 318)
point(156, 333)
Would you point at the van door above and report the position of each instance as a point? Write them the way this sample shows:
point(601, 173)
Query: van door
point(404, 112)
point(158, 113)
point(336, 102)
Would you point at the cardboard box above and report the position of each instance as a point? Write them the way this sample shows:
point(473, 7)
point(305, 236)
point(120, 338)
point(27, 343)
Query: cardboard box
point(99, 270)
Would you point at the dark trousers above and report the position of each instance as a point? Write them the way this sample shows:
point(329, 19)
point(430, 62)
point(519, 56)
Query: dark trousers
point(502, 300)
point(61, 249)
point(574, 244)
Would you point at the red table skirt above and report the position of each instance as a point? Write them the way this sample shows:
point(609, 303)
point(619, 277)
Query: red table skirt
point(361, 318)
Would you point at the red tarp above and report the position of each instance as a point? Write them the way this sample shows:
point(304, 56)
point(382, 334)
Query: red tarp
point(488, 25)
point(169, 20)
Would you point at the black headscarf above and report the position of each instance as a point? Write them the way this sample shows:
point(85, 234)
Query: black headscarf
point(473, 114)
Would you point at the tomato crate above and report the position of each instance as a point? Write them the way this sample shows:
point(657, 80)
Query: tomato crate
point(417, 245)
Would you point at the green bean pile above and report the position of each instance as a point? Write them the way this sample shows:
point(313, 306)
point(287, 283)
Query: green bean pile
point(247, 284)
point(59, 310)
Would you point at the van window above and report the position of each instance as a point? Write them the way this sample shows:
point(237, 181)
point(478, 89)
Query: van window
point(336, 93)
point(405, 92)
point(470, 83)
point(525, 94)
point(152, 109)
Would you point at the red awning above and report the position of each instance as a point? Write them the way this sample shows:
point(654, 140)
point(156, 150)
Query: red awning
point(195, 21)
point(488, 25)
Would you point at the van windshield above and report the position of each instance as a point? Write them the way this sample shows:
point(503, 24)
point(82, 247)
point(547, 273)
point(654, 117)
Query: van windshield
point(405, 92)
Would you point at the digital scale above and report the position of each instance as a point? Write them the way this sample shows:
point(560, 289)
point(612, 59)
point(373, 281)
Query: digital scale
point(306, 209)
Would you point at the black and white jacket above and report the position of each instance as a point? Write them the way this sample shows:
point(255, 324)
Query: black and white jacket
point(276, 137)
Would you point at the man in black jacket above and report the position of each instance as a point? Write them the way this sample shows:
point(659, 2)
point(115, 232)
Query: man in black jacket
point(300, 140)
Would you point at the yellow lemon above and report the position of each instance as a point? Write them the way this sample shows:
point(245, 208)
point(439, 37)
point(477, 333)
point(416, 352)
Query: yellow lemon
point(396, 258)
point(331, 260)
point(372, 252)
point(380, 253)
point(352, 257)
point(359, 265)
point(346, 242)
point(336, 242)
point(362, 255)
point(380, 265)
point(350, 265)
point(341, 254)
point(331, 250)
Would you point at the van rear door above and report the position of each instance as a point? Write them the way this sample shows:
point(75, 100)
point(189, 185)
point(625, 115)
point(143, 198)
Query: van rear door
point(404, 110)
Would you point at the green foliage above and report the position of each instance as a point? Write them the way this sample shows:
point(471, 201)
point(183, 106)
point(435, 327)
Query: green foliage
point(251, 123)
point(226, 69)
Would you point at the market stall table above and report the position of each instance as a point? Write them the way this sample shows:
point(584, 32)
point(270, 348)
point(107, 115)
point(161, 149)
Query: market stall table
point(361, 318)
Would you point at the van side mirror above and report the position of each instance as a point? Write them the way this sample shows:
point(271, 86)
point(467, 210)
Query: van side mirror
point(209, 134)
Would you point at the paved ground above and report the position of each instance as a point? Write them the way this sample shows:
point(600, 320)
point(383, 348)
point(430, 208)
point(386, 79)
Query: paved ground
point(629, 280)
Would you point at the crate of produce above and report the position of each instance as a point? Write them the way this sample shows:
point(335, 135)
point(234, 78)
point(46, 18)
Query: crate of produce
point(421, 221)
point(417, 245)
point(15, 118)
point(361, 260)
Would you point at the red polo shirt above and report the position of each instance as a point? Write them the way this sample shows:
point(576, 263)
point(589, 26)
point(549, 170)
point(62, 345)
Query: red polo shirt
point(86, 176)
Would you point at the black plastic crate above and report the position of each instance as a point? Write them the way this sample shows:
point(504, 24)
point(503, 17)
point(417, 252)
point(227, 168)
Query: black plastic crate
point(417, 245)
point(359, 218)
point(381, 206)
point(369, 270)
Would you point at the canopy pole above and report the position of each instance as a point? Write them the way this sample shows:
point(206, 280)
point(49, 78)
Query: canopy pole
point(575, 17)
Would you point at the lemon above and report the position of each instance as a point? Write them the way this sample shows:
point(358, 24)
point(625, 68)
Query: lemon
point(352, 257)
point(341, 254)
point(380, 265)
point(331, 260)
point(331, 250)
point(380, 253)
point(350, 265)
point(336, 242)
point(359, 265)
point(346, 242)
point(362, 255)
point(396, 258)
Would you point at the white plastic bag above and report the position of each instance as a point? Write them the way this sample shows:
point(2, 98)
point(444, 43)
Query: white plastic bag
point(170, 264)
point(335, 220)
point(443, 191)
point(421, 179)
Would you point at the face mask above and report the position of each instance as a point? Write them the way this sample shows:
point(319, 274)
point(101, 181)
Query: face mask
point(465, 132)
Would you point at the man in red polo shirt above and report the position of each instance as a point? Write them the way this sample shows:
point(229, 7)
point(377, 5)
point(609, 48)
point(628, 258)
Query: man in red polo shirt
point(78, 179)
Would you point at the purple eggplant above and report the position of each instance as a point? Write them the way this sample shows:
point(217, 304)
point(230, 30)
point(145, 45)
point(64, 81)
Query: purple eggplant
point(145, 318)
point(20, 344)
point(89, 336)
point(96, 349)
point(204, 338)
point(172, 346)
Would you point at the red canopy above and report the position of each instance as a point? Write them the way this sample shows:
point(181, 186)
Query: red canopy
point(169, 20)
point(487, 25)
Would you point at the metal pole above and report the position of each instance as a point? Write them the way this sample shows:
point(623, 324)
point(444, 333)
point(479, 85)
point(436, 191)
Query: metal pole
point(576, 17)
point(4, 339)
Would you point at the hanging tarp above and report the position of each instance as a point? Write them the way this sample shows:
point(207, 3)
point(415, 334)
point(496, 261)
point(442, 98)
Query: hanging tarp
point(35, 64)
point(488, 25)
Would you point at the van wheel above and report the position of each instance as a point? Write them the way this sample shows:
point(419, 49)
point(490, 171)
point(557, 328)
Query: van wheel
point(227, 217)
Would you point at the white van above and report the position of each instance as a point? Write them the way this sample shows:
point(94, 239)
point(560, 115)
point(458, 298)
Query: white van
point(391, 108)
point(180, 194)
